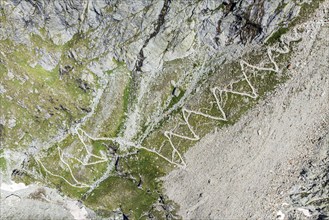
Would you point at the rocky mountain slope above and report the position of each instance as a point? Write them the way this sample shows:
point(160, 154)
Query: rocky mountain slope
point(101, 99)
point(272, 163)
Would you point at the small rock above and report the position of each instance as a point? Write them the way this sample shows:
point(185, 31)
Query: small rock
point(12, 122)
point(259, 132)
point(2, 89)
point(306, 212)
point(280, 215)
point(176, 92)
point(173, 83)
point(10, 75)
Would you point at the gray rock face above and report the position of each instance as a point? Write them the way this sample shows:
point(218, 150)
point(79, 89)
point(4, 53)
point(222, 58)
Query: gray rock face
point(144, 34)
point(310, 195)
point(48, 61)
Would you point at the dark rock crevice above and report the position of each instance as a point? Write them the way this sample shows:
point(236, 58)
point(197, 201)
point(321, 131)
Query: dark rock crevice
point(247, 25)
point(157, 26)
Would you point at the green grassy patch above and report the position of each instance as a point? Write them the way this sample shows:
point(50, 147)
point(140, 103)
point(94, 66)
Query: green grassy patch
point(3, 164)
point(36, 97)
point(275, 37)
point(134, 191)
point(123, 117)
point(175, 99)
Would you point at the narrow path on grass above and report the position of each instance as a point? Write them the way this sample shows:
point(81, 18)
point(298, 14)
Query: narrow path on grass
point(219, 94)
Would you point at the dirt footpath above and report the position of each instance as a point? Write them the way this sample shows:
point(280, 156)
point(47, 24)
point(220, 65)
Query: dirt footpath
point(248, 170)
